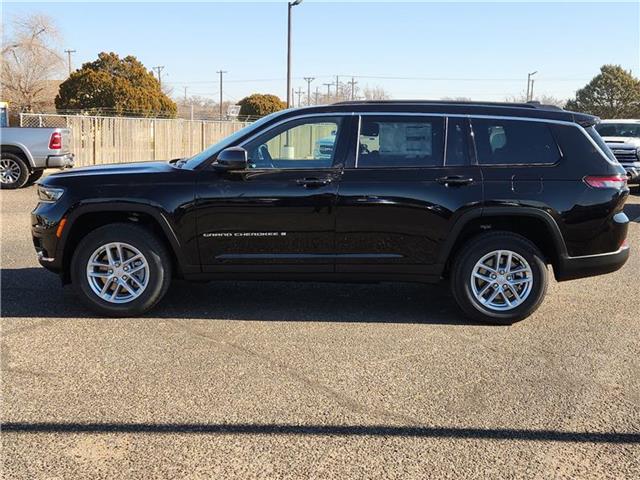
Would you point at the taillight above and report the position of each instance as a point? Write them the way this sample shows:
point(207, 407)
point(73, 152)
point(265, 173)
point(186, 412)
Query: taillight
point(608, 181)
point(55, 143)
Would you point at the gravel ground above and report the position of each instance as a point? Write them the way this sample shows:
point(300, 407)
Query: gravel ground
point(273, 380)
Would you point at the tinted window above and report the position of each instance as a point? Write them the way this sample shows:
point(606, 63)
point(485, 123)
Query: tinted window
point(504, 142)
point(390, 141)
point(308, 143)
point(457, 142)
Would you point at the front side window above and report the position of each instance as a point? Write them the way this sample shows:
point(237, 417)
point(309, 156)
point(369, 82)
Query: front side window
point(514, 142)
point(389, 141)
point(306, 143)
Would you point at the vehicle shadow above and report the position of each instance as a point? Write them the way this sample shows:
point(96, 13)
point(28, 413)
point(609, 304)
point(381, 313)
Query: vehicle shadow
point(36, 293)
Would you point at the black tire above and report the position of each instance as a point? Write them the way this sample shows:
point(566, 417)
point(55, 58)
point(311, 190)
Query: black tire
point(154, 251)
point(34, 177)
point(21, 164)
point(474, 250)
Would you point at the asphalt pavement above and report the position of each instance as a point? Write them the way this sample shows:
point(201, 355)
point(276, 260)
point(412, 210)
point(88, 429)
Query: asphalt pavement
point(290, 380)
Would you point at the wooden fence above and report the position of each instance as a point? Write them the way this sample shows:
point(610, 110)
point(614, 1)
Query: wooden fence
point(102, 140)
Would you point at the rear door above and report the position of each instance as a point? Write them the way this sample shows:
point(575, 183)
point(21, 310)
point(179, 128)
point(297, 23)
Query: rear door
point(408, 179)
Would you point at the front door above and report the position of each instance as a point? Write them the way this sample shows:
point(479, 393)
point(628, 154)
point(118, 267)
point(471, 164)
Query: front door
point(407, 183)
point(279, 213)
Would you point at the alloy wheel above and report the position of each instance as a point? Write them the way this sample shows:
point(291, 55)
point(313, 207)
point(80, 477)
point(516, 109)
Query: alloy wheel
point(501, 280)
point(117, 272)
point(9, 171)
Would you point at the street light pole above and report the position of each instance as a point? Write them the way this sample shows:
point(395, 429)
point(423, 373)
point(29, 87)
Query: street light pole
point(290, 5)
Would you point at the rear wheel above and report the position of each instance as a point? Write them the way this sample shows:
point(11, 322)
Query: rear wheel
point(34, 177)
point(14, 171)
point(499, 278)
point(121, 270)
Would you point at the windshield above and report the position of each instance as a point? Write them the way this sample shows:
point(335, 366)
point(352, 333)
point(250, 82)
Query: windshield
point(593, 133)
point(198, 158)
point(619, 129)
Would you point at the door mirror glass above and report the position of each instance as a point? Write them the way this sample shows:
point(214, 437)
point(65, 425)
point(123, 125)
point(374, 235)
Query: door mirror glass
point(232, 158)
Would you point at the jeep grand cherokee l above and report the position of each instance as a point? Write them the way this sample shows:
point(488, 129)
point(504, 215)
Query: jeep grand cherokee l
point(484, 195)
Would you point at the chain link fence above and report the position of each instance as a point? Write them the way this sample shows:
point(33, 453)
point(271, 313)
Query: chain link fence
point(100, 140)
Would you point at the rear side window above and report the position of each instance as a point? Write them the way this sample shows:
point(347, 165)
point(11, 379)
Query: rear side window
point(514, 142)
point(396, 141)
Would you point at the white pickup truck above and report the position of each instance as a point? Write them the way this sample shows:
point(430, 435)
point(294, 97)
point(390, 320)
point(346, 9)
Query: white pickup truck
point(26, 152)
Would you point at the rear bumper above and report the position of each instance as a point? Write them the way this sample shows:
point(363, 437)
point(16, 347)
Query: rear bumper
point(60, 161)
point(570, 268)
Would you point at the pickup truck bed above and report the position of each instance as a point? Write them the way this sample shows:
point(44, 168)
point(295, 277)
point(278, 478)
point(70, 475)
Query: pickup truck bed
point(27, 152)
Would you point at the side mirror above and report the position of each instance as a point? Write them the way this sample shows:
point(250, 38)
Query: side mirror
point(232, 158)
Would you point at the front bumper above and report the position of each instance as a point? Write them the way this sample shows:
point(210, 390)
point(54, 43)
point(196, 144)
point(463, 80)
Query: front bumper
point(633, 171)
point(60, 161)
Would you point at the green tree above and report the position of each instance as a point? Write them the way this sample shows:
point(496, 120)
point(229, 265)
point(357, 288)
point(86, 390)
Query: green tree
point(259, 105)
point(613, 93)
point(115, 86)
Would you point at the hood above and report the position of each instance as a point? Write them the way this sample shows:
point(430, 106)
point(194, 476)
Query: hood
point(116, 169)
point(623, 141)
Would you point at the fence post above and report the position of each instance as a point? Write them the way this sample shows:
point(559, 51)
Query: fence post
point(153, 129)
point(40, 120)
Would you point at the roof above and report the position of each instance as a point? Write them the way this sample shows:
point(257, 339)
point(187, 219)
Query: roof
point(507, 109)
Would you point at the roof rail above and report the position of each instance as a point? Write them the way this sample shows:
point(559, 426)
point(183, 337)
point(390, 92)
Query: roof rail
point(532, 104)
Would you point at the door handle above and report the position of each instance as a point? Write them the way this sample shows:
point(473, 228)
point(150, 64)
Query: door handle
point(454, 180)
point(313, 182)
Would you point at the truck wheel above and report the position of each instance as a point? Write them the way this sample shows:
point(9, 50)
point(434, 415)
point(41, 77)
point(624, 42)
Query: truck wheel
point(499, 278)
point(121, 270)
point(34, 177)
point(14, 171)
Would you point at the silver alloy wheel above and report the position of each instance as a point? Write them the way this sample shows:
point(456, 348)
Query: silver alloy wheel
point(501, 280)
point(9, 171)
point(117, 272)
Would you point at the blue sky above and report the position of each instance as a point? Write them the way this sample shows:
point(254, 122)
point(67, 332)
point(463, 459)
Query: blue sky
point(416, 50)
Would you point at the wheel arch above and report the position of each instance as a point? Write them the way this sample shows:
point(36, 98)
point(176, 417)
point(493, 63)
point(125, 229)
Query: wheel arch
point(20, 150)
point(534, 224)
point(87, 218)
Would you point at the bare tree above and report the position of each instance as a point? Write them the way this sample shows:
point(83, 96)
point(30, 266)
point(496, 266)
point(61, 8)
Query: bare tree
point(542, 98)
point(31, 61)
point(375, 93)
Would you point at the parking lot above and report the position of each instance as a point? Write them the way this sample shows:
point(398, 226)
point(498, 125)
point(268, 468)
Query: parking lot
point(244, 380)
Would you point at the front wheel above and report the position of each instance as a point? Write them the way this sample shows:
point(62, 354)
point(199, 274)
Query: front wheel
point(121, 270)
point(499, 278)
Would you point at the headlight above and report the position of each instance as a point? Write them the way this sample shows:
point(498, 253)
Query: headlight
point(49, 194)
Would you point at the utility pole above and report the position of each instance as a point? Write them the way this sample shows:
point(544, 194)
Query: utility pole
point(221, 72)
point(69, 52)
point(317, 95)
point(337, 87)
point(185, 95)
point(530, 85)
point(159, 69)
point(328, 85)
point(299, 93)
point(353, 88)
point(532, 80)
point(309, 80)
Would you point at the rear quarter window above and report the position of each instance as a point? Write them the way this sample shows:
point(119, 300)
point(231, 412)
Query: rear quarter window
point(514, 142)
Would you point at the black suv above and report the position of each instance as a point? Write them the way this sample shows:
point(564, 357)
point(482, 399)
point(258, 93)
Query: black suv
point(486, 195)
